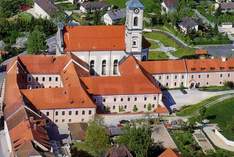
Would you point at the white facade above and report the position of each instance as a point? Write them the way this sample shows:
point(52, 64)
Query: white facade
point(98, 59)
point(43, 81)
point(74, 115)
point(126, 103)
point(173, 80)
point(196, 79)
point(186, 30)
point(134, 29)
point(39, 12)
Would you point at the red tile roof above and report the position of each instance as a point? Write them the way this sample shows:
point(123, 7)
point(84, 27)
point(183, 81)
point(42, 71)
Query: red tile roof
point(201, 52)
point(133, 80)
point(168, 153)
point(94, 38)
point(164, 67)
point(161, 109)
point(209, 65)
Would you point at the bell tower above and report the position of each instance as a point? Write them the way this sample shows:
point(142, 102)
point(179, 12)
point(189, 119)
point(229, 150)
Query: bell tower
point(134, 27)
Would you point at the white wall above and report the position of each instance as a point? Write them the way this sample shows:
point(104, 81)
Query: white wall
point(127, 102)
point(99, 56)
point(172, 80)
point(44, 81)
point(74, 115)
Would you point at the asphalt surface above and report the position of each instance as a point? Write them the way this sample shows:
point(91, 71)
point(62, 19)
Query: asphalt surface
point(220, 50)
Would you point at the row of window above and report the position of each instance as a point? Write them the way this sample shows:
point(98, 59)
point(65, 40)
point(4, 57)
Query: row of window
point(30, 78)
point(103, 72)
point(192, 76)
point(128, 99)
point(221, 75)
point(125, 106)
point(63, 113)
point(64, 120)
point(175, 77)
point(175, 84)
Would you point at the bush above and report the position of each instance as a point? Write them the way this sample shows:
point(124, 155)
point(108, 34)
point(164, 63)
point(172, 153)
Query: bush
point(229, 84)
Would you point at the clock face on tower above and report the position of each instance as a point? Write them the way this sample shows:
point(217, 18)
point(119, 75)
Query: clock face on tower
point(136, 10)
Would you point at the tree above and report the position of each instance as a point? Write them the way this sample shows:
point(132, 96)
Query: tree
point(36, 42)
point(137, 139)
point(96, 141)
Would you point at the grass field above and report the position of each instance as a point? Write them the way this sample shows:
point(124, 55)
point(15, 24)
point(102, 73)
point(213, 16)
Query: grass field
point(167, 41)
point(157, 55)
point(223, 114)
point(154, 45)
point(192, 109)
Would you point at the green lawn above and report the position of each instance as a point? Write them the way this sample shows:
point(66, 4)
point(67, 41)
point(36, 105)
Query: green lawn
point(157, 55)
point(162, 38)
point(167, 41)
point(154, 45)
point(192, 109)
point(223, 114)
point(183, 52)
point(66, 6)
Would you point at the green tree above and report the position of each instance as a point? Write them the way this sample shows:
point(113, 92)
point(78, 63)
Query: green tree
point(137, 139)
point(36, 42)
point(96, 141)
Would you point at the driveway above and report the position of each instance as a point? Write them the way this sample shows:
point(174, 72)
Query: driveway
point(193, 96)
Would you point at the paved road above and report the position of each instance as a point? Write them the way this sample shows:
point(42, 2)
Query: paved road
point(216, 140)
point(194, 96)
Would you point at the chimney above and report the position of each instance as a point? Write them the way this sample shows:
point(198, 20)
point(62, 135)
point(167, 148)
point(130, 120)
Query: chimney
point(224, 59)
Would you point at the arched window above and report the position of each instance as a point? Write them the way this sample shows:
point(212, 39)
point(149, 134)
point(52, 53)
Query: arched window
point(104, 67)
point(115, 67)
point(135, 23)
point(91, 68)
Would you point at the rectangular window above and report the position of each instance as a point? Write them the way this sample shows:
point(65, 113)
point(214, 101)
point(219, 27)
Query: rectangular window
point(128, 99)
point(155, 97)
point(56, 113)
point(160, 77)
point(90, 112)
point(135, 98)
point(199, 76)
point(182, 76)
point(43, 79)
point(104, 100)
point(192, 76)
point(63, 113)
point(29, 78)
point(56, 78)
point(70, 112)
point(114, 99)
point(228, 75)
point(167, 77)
point(47, 113)
point(145, 98)
point(208, 75)
point(221, 75)
point(76, 112)
point(50, 78)
point(175, 76)
point(83, 112)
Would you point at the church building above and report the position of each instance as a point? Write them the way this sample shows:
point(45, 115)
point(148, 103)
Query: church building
point(103, 47)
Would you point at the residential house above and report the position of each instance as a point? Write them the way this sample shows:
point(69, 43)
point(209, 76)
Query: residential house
point(44, 8)
point(188, 25)
point(93, 6)
point(227, 7)
point(168, 6)
point(114, 16)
